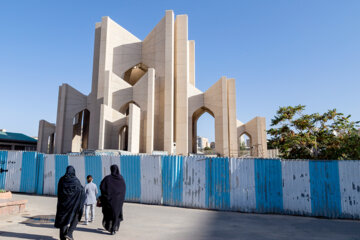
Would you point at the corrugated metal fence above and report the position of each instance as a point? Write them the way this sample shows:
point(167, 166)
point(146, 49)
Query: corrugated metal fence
point(299, 187)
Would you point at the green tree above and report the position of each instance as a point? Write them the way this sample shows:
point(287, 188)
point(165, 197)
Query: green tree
point(330, 135)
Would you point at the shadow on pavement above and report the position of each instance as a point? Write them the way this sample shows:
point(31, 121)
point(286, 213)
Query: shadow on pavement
point(25, 236)
point(47, 221)
point(234, 225)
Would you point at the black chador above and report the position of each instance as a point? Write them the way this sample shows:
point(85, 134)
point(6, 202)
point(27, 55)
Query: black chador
point(112, 197)
point(70, 205)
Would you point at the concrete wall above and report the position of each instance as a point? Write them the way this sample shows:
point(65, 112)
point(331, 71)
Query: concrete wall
point(46, 131)
point(256, 130)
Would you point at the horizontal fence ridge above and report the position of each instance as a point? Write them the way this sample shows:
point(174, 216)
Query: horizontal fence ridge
point(321, 188)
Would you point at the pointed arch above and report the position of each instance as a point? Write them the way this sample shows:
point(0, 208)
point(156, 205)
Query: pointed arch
point(195, 117)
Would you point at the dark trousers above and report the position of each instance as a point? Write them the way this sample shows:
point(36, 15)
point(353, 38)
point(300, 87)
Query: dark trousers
point(68, 231)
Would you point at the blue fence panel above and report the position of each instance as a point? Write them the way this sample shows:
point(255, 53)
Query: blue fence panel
point(333, 185)
point(217, 183)
point(28, 172)
point(39, 173)
point(130, 170)
point(172, 180)
point(61, 163)
point(325, 188)
point(3, 165)
point(93, 167)
point(268, 186)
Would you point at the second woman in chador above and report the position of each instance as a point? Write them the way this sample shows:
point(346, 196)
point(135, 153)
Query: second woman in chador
point(112, 198)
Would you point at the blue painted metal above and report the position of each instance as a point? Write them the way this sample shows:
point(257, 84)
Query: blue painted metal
point(39, 173)
point(268, 186)
point(333, 185)
point(3, 165)
point(325, 188)
point(172, 180)
point(61, 163)
point(130, 170)
point(28, 172)
point(217, 193)
point(93, 167)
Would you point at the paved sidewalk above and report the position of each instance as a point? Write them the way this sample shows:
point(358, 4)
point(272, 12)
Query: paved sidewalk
point(158, 222)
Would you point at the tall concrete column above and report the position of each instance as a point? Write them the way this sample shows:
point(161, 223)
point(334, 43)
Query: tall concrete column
point(150, 111)
point(232, 127)
point(134, 128)
point(181, 84)
point(169, 83)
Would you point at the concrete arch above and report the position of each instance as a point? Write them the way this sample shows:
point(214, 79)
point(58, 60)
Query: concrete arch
point(250, 143)
point(80, 130)
point(256, 130)
point(125, 107)
point(195, 117)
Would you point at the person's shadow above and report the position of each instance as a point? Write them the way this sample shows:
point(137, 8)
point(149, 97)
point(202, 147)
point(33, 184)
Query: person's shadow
point(25, 236)
point(47, 221)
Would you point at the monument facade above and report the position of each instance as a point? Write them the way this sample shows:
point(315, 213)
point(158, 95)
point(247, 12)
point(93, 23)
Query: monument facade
point(143, 98)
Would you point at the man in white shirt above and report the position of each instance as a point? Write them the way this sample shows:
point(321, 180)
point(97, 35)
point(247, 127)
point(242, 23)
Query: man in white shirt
point(91, 191)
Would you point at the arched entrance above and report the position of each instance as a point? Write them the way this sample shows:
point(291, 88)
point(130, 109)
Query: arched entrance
point(245, 145)
point(202, 144)
point(80, 139)
point(135, 127)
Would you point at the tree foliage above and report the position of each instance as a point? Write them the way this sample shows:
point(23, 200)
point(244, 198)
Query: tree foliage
point(330, 135)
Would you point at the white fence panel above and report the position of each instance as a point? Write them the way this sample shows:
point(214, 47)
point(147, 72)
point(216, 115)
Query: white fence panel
point(151, 181)
point(194, 181)
point(13, 176)
point(49, 175)
point(296, 186)
point(78, 162)
point(349, 172)
point(242, 185)
point(107, 161)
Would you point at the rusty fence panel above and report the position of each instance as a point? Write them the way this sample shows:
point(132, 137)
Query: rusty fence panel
point(13, 174)
point(296, 187)
point(194, 182)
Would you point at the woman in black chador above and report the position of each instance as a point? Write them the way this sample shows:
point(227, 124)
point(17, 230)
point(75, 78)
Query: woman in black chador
point(70, 205)
point(112, 197)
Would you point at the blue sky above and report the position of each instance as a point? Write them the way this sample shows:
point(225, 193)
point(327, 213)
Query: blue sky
point(280, 53)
